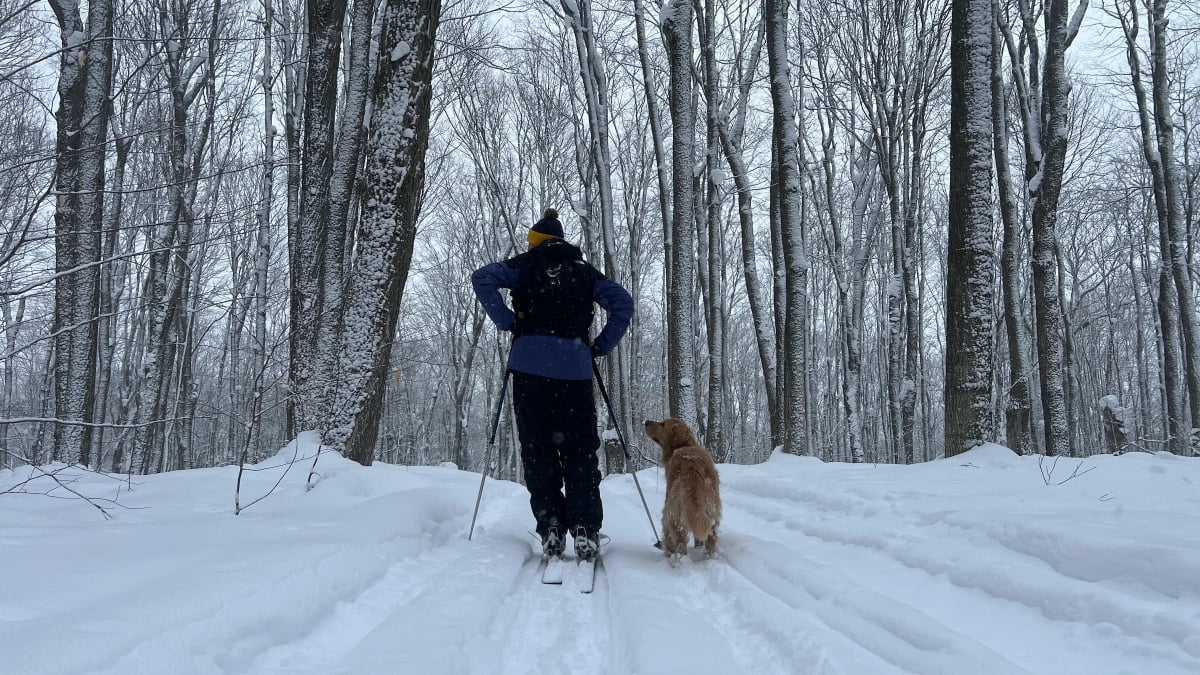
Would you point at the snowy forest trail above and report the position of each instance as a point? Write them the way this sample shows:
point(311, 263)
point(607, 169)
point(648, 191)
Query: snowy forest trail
point(974, 565)
point(862, 579)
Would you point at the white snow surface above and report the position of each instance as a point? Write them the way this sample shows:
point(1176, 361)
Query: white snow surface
point(971, 565)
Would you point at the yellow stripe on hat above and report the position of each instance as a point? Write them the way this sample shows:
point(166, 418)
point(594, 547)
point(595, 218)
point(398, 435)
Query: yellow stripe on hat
point(536, 238)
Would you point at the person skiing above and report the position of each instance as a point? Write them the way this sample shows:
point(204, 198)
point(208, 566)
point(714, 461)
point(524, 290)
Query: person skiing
point(552, 291)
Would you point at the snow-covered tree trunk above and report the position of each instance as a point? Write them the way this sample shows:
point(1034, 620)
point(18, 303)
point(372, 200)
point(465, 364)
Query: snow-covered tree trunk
point(926, 75)
point(1018, 423)
point(1071, 386)
point(970, 283)
point(716, 315)
point(13, 318)
point(293, 60)
point(262, 240)
point(778, 298)
point(1170, 209)
point(655, 118)
point(1044, 188)
point(1170, 319)
point(851, 285)
point(316, 248)
point(112, 288)
point(676, 19)
point(595, 90)
point(394, 183)
point(85, 78)
point(793, 367)
point(464, 361)
point(189, 63)
point(350, 135)
point(760, 310)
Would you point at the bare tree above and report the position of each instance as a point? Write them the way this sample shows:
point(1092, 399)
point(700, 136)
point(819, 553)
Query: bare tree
point(1181, 333)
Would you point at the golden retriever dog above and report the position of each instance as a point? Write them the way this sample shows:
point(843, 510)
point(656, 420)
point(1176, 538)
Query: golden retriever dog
point(693, 500)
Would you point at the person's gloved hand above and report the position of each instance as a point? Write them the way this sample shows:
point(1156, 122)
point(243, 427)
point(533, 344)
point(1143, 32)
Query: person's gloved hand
point(512, 325)
point(596, 351)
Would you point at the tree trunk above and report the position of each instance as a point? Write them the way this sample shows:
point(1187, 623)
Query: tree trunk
point(714, 284)
point(85, 79)
point(1018, 429)
point(760, 312)
point(681, 264)
point(785, 140)
point(970, 313)
point(316, 250)
point(395, 177)
point(1044, 188)
point(1171, 210)
point(1173, 358)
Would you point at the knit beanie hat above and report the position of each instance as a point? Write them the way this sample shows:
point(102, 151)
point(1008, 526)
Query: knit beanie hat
point(545, 229)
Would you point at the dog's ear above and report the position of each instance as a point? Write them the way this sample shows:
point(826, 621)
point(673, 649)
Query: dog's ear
point(677, 433)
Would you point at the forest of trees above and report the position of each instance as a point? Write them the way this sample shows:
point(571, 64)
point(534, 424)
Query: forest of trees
point(863, 230)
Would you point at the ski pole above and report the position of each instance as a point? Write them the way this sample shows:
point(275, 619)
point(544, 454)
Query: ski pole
point(625, 448)
point(487, 457)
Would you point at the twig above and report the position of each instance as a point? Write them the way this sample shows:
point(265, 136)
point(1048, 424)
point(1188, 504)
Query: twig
point(37, 472)
point(1047, 475)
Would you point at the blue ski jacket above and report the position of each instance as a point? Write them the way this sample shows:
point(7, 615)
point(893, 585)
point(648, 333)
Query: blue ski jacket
point(546, 355)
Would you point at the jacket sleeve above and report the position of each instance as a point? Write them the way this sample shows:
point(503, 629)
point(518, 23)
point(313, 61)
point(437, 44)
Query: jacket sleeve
point(487, 282)
point(615, 300)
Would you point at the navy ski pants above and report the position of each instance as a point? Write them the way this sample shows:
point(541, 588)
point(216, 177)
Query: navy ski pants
point(556, 421)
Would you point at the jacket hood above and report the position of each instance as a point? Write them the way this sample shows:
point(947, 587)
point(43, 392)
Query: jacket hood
point(558, 248)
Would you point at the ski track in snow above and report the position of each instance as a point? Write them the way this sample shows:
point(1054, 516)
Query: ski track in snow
point(1015, 577)
point(863, 573)
point(338, 634)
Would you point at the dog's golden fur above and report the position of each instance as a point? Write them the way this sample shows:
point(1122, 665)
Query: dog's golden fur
point(693, 501)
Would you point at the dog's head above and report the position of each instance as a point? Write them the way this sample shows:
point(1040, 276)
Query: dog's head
point(670, 434)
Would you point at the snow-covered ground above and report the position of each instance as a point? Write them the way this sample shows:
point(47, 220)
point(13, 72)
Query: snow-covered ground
point(967, 566)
